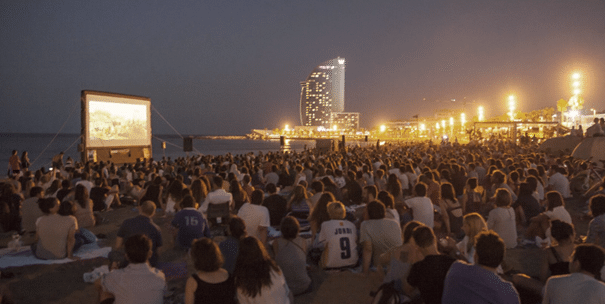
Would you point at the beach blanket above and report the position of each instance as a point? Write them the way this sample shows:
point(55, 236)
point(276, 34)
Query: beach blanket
point(23, 256)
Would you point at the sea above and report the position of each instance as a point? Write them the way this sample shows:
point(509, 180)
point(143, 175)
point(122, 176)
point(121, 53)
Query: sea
point(42, 147)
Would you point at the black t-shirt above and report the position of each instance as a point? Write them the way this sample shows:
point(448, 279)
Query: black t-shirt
point(277, 208)
point(428, 276)
point(97, 195)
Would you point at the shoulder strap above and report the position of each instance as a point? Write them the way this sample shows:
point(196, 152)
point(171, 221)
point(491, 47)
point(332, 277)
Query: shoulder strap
point(556, 254)
point(301, 249)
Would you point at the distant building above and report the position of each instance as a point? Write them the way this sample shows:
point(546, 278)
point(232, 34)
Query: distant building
point(323, 93)
point(345, 120)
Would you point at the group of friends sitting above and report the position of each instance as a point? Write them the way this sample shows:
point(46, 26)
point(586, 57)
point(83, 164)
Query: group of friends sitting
point(434, 222)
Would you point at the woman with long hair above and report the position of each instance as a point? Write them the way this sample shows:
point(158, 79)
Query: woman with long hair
point(320, 212)
point(451, 209)
point(240, 196)
point(502, 218)
point(83, 213)
point(299, 206)
point(174, 196)
point(199, 191)
point(395, 189)
point(258, 279)
point(210, 283)
point(472, 224)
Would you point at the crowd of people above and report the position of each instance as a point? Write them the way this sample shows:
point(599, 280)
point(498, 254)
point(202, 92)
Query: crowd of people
point(434, 222)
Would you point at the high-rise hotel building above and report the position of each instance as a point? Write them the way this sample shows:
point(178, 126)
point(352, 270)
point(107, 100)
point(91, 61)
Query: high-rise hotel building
point(323, 93)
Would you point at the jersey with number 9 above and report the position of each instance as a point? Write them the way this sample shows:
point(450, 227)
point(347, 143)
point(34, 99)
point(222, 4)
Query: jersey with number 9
point(340, 239)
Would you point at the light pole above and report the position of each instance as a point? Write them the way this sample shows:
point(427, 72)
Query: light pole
point(511, 107)
point(480, 113)
point(575, 101)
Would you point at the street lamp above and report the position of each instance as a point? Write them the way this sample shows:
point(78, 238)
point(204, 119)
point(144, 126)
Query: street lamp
point(511, 107)
point(462, 119)
point(480, 113)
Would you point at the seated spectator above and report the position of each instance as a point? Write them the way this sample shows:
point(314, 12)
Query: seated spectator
point(320, 214)
point(480, 283)
point(83, 235)
point(539, 226)
point(210, 283)
point(276, 204)
point(258, 279)
point(299, 206)
point(190, 223)
point(389, 203)
point(377, 234)
point(55, 234)
point(103, 196)
point(421, 205)
point(427, 275)
point(256, 216)
point(339, 238)
point(582, 285)
point(399, 260)
point(291, 256)
point(502, 218)
point(65, 190)
point(526, 205)
point(230, 246)
point(30, 209)
point(555, 260)
point(84, 213)
point(451, 210)
point(596, 227)
point(473, 224)
point(142, 224)
point(138, 282)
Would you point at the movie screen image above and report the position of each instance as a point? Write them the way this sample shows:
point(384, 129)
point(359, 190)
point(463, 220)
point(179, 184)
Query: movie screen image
point(117, 121)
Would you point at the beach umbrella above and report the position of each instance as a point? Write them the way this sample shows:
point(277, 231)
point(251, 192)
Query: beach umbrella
point(592, 148)
point(561, 145)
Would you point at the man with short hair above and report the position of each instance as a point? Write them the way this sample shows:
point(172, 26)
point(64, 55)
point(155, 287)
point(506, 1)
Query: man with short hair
point(142, 224)
point(218, 195)
point(421, 206)
point(429, 274)
point(582, 285)
point(480, 283)
point(276, 204)
point(558, 181)
point(595, 129)
point(256, 216)
point(378, 234)
point(138, 282)
point(190, 223)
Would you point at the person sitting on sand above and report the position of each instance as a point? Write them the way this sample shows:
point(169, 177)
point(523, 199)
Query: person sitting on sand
point(480, 283)
point(190, 223)
point(211, 283)
point(138, 282)
point(596, 227)
point(377, 234)
point(582, 285)
point(428, 275)
point(290, 252)
point(55, 234)
point(142, 224)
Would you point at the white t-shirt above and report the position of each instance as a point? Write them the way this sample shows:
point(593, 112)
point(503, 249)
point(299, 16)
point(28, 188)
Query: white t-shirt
point(254, 216)
point(422, 208)
point(560, 183)
point(559, 213)
point(502, 221)
point(340, 240)
point(277, 292)
point(217, 196)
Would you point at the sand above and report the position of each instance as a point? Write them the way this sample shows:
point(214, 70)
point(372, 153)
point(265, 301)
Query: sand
point(63, 283)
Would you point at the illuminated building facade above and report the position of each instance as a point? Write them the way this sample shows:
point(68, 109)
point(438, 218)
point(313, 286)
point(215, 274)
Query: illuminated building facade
point(323, 93)
point(345, 120)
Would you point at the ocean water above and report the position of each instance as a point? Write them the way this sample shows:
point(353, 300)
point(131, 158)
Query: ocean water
point(42, 147)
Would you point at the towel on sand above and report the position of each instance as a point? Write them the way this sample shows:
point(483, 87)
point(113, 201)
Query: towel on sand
point(24, 256)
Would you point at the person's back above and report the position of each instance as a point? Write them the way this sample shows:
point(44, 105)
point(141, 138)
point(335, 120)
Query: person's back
point(190, 223)
point(581, 286)
point(422, 206)
point(429, 274)
point(378, 234)
point(138, 282)
point(142, 224)
point(31, 210)
point(276, 204)
point(480, 283)
point(340, 239)
point(53, 230)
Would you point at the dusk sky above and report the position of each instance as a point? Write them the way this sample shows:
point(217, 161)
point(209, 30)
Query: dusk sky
point(226, 67)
